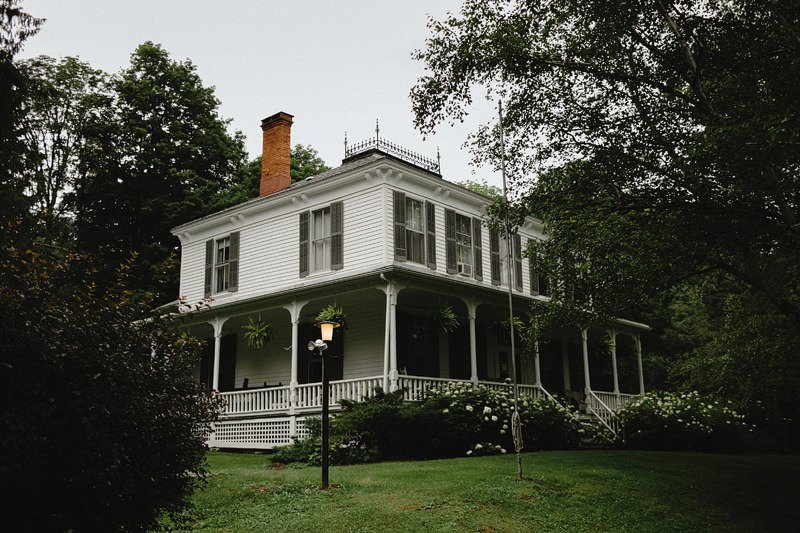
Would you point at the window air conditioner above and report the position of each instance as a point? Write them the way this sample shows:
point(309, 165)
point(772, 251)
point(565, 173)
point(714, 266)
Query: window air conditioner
point(464, 269)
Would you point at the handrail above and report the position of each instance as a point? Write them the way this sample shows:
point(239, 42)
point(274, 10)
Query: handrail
point(598, 408)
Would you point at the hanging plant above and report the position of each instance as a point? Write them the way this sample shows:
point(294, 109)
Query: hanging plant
point(257, 333)
point(331, 313)
point(447, 319)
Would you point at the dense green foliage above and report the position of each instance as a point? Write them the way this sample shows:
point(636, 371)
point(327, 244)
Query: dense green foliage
point(101, 420)
point(61, 96)
point(156, 154)
point(563, 491)
point(657, 142)
point(16, 26)
point(687, 422)
point(458, 420)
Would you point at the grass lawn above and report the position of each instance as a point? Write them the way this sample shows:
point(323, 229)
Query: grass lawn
point(563, 491)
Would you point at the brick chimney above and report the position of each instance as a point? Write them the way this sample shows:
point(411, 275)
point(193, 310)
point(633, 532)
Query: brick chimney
point(276, 153)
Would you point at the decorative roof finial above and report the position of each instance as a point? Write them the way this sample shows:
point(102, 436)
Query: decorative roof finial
point(345, 143)
point(377, 130)
point(438, 160)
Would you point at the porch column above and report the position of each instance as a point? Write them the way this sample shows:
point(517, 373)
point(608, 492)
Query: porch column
point(612, 344)
point(536, 367)
point(387, 338)
point(217, 325)
point(585, 345)
point(393, 341)
point(565, 366)
point(294, 315)
point(639, 362)
point(472, 313)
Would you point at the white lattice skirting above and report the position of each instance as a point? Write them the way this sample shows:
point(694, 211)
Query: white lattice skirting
point(259, 433)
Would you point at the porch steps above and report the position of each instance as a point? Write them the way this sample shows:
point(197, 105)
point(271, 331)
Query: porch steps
point(589, 425)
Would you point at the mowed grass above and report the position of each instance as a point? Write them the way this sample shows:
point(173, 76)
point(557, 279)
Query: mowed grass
point(562, 491)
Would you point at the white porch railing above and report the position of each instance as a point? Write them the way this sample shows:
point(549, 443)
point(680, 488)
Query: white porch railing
point(256, 401)
point(596, 406)
point(614, 401)
point(416, 386)
point(309, 396)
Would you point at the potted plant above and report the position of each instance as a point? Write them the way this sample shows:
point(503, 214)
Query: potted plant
point(445, 317)
point(257, 333)
point(331, 313)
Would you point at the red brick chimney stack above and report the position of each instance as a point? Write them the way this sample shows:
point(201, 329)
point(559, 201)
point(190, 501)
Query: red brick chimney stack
point(276, 153)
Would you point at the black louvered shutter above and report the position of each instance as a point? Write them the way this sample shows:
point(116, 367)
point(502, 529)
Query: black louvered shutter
point(304, 244)
point(477, 249)
point(209, 267)
point(233, 279)
point(517, 262)
point(494, 256)
point(532, 273)
point(430, 234)
point(399, 203)
point(337, 242)
point(450, 240)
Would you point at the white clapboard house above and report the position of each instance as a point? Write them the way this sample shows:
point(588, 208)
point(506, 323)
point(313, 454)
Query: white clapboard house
point(385, 238)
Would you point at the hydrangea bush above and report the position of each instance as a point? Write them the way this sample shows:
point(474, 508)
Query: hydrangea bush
point(688, 421)
point(481, 417)
point(452, 421)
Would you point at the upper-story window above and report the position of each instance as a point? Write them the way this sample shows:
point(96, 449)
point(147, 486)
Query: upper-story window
point(414, 230)
point(499, 259)
point(222, 264)
point(463, 244)
point(322, 239)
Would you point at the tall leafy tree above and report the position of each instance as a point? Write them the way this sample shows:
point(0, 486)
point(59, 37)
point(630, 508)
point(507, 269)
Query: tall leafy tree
point(156, 155)
point(16, 26)
point(61, 96)
point(657, 140)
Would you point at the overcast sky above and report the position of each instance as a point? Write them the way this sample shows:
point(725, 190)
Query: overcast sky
point(335, 66)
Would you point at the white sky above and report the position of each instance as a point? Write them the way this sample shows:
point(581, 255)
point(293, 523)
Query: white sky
point(336, 66)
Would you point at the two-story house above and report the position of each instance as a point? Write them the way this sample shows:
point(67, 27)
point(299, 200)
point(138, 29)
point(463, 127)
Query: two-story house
point(385, 238)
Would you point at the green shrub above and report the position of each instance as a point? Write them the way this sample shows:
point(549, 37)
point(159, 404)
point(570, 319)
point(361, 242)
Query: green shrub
point(101, 424)
point(457, 420)
point(669, 421)
point(482, 416)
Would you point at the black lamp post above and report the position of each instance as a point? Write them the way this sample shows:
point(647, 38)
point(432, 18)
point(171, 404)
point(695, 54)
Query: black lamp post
point(326, 331)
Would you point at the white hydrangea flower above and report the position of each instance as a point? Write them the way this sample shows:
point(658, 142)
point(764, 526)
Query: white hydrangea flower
point(469, 408)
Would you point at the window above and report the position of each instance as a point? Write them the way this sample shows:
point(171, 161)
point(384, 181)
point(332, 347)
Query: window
point(414, 230)
point(463, 244)
point(222, 264)
point(321, 239)
point(464, 241)
point(499, 259)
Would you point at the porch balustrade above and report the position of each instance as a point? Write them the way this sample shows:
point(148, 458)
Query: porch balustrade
point(614, 401)
point(309, 396)
point(256, 401)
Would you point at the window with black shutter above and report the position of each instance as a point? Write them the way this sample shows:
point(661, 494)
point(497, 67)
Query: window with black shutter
point(222, 264)
point(430, 234)
point(477, 249)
